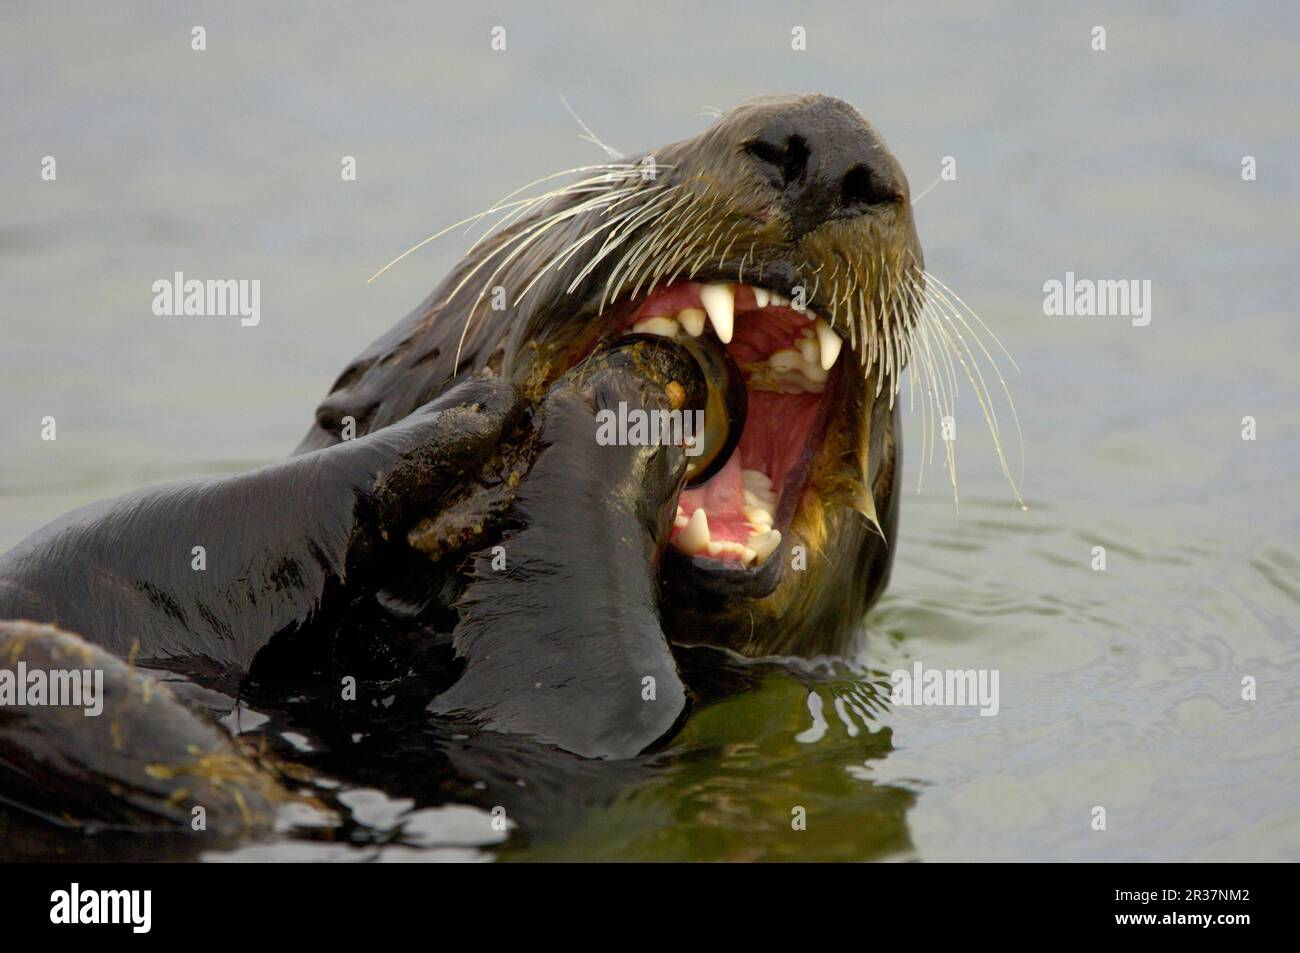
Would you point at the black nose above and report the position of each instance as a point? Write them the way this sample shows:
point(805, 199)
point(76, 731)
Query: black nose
point(826, 162)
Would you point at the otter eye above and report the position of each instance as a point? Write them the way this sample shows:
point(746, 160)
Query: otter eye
point(787, 161)
point(327, 419)
point(860, 189)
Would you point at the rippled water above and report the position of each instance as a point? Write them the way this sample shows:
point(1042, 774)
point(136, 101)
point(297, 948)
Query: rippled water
point(1119, 688)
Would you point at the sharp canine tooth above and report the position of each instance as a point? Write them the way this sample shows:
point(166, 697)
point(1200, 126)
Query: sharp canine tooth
point(830, 342)
point(663, 326)
point(692, 319)
point(762, 297)
point(695, 537)
point(764, 544)
point(720, 304)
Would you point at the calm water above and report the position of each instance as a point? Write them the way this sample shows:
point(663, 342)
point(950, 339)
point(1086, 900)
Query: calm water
point(1119, 688)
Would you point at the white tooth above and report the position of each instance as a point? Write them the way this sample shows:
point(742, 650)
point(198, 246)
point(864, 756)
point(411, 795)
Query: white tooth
point(746, 554)
point(720, 303)
point(762, 499)
point(764, 544)
point(756, 479)
point(830, 342)
point(665, 327)
point(762, 297)
point(786, 359)
point(695, 537)
point(799, 371)
point(780, 301)
point(692, 319)
point(759, 517)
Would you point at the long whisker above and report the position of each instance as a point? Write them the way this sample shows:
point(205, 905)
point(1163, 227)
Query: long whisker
point(974, 333)
point(504, 202)
point(938, 311)
point(624, 222)
point(521, 242)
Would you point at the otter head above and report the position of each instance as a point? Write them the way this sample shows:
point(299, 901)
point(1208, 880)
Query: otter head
point(782, 234)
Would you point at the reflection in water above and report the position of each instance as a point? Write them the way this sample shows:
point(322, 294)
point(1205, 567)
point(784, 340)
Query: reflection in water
point(1120, 688)
point(743, 762)
point(735, 782)
point(748, 760)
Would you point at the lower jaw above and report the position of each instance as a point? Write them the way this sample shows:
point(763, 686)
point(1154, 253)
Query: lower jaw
point(779, 448)
point(735, 539)
point(715, 585)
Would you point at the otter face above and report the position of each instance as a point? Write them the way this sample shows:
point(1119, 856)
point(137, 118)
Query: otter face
point(783, 234)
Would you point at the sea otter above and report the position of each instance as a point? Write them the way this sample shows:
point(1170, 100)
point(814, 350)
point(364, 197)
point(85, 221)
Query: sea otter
point(451, 537)
point(786, 232)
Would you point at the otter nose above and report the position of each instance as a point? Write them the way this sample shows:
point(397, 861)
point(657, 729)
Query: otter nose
point(826, 162)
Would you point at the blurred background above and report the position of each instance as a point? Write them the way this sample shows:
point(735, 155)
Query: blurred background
point(1119, 688)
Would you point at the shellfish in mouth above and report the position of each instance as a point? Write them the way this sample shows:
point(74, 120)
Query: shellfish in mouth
point(785, 357)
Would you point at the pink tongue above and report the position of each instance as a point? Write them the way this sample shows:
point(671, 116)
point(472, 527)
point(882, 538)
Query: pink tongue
point(722, 498)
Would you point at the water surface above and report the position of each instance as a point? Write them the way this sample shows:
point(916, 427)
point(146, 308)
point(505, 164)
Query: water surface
point(1119, 688)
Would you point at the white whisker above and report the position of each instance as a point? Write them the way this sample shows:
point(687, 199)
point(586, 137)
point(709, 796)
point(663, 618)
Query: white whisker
point(504, 203)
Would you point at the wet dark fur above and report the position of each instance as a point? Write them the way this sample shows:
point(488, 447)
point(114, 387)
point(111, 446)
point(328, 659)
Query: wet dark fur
point(754, 225)
point(311, 575)
point(310, 583)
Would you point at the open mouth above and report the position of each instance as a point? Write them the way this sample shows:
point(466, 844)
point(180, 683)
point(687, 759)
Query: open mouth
point(739, 516)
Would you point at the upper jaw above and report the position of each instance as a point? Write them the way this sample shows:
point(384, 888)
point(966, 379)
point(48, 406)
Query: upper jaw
point(693, 306)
